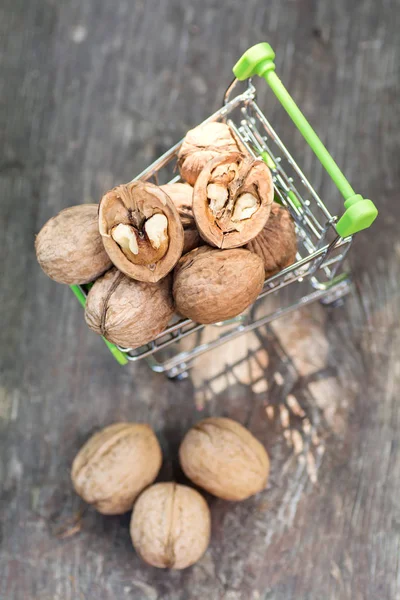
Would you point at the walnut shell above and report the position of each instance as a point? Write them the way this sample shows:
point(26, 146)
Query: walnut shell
point(201, 144)
point(170, 526)
point(192, 239)
point(224, 458)
point(277, 243)
point(69, 247)
point(141, 230)
point(215, 285)
point(126, 312)
point(232, 199)
point(181, 195)
point(115, 465)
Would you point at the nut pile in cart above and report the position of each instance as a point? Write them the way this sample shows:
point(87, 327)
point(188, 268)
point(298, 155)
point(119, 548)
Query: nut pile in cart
point(200, 248)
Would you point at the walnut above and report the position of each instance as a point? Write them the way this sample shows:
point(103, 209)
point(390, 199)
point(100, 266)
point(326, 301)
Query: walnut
point(232, 199)
point(126, 312)
point(115, 465)
point(224, 458)
point(181, 195)
point(277, 243)
point(170, 526)
point(141, 229)
point(213, 285)
point(202, 144)
point(192, 239)
point(69, 247)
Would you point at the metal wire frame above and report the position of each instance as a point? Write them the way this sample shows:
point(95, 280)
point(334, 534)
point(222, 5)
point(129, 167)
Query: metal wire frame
point(321, 250)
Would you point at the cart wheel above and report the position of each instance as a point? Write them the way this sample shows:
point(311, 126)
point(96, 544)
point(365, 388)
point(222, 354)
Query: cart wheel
point(337, 295)
point(180, 372)
point(182, 376)
point(333, 303)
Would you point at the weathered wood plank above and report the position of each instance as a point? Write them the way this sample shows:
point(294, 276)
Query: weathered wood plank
point(91, 93)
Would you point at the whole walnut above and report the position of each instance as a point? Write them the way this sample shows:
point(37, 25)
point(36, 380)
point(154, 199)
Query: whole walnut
point(224, 458)
point(115, 465)
point(170, 526)
point(181, 195)
point(213, 285)
point(69, 247)
point(126, 312)
point(202, 144)
point(277, 243)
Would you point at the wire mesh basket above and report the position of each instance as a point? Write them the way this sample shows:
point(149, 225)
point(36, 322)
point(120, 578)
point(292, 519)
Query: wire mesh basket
point(323, 238)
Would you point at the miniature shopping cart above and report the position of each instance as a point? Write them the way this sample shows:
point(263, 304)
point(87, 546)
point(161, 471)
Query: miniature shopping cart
point(323, 238)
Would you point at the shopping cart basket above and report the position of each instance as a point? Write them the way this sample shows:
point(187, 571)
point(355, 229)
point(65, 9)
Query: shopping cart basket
point(323, 238)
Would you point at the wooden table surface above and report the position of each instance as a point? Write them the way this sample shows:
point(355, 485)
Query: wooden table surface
point(91, 92)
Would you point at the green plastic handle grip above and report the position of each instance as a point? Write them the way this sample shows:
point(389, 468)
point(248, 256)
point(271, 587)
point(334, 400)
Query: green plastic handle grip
point(360, 213)
point(117, 354)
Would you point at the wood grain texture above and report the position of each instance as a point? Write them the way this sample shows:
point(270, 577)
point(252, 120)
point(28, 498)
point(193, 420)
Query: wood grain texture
point(91, 92)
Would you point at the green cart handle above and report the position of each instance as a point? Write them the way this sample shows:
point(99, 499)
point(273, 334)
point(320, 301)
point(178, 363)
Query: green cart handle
point(118, 355)
point(360, 213)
